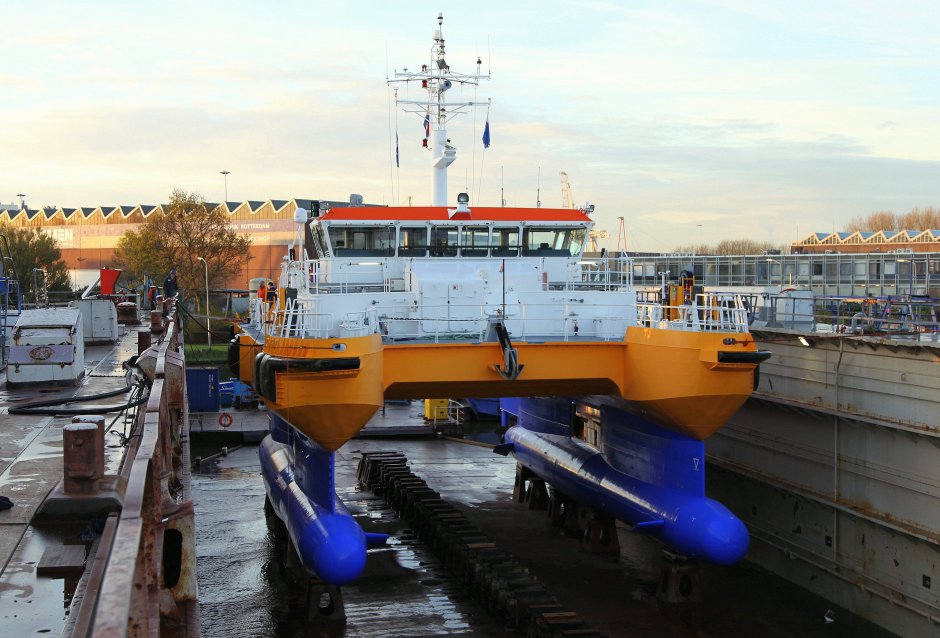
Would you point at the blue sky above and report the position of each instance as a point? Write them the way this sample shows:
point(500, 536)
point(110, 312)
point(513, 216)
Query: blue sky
point(695, 121)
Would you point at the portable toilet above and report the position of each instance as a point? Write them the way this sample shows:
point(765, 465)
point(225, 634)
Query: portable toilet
point(47, 348)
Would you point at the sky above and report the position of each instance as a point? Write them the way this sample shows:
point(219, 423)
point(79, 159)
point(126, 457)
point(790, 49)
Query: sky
point(694, 121)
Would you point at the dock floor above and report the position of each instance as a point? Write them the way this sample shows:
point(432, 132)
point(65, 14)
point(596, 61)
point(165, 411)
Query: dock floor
point(30, 467)
point(405, 591)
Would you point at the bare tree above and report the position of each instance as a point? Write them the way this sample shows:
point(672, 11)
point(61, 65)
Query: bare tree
point(731, 247)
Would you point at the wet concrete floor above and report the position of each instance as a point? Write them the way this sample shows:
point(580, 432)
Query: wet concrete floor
point(30, 466)
point(404, 591)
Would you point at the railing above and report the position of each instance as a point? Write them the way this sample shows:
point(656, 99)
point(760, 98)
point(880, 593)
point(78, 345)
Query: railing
point(564, 321)
point(708, 313)
point(144, 571)
point(902, 316)
point(350, 276)
point(299, 319)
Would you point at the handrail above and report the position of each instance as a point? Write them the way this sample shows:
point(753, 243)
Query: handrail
point(139, 594)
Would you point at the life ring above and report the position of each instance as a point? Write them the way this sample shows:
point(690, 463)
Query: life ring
point(225, 419)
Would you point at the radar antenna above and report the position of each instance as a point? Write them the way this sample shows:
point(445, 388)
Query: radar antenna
point(437, 78)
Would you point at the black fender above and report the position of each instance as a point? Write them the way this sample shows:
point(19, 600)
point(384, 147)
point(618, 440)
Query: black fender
point(267, 367)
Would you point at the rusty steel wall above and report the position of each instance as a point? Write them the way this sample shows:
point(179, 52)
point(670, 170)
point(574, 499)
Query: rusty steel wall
point(145, 567)
point(832, 465)
point(863, 377)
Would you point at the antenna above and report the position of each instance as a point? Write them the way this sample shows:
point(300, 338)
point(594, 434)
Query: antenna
point(437, 79)
point(502, 189)
point(538, 189)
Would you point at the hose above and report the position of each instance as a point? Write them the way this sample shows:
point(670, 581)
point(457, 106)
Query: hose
point(43, 407)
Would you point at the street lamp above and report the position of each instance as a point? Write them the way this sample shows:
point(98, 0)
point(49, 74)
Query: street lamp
point(770, 269)
point(225, 175)
point(22, 200)
point(910, 270)
point(208, 328)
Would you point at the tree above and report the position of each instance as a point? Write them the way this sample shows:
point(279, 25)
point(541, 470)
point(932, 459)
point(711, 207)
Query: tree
point(31, 248)
point(730, 247)
point(188, 230)
point(918, 219)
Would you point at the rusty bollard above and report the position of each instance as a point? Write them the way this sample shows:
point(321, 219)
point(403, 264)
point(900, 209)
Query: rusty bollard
point(156, 321)
point(81, 458)
point(143, 341)
point(98, 421)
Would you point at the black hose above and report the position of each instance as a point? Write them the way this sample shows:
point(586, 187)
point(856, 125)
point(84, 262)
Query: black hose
point(98, 409)
point(37, 407)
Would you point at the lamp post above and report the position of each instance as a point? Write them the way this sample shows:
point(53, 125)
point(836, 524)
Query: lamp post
point(22, 200)
point(910, 270)
point(225, 175)
point(770, 268)
point(208, 328)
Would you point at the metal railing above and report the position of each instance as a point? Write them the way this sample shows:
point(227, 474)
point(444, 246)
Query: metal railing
point(711, 312)
point(345, 276)
point(902, 316)
point(144, 571)
point(708, 312)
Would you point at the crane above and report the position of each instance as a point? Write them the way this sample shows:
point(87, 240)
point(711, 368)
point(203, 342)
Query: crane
point(566, 200)
point(594, 235)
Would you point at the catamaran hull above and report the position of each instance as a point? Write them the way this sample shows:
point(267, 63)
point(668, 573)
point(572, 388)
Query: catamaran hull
point(327, 540)
point(669, 504)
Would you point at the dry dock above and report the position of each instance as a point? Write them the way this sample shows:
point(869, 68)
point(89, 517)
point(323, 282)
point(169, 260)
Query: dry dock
point(406, 590)
point(135, 572)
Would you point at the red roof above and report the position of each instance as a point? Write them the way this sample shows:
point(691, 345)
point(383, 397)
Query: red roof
point(439, 213)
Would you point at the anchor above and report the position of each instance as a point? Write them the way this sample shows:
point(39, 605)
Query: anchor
point(511, 368)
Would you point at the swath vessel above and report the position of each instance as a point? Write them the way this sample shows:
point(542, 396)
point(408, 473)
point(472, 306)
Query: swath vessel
point(375, 303)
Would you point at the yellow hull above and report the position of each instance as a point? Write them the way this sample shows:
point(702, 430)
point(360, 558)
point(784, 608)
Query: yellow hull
point(330, 388)
point(329, 406)
point(676, 378)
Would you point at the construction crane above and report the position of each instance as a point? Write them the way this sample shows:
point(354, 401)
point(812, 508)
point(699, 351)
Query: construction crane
point(566, 200)
point(594, 235)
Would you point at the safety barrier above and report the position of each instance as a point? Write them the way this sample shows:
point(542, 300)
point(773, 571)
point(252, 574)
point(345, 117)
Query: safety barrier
point(143, 578)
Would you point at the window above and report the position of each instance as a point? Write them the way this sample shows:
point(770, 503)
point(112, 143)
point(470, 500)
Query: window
point(553, 241)
point(443, 241)
point(362, 241)
point(505, 242)
point(413, 241)
point(474, 241)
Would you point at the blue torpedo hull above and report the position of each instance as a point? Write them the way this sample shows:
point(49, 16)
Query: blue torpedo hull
point(641, 474)
point(298, 478)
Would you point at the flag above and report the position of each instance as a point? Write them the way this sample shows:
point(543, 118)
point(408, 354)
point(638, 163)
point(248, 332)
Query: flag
point(427, 125)
point(396, 150)
point(486, 133)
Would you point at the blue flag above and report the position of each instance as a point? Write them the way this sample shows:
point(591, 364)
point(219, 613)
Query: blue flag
point(486, 134)
point(396, 150)
point(427, 125)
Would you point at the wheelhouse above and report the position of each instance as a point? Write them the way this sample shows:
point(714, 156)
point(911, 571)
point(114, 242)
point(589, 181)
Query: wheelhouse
point(340, 233)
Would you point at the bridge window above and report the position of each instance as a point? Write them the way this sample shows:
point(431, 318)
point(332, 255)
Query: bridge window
point(553, 241)
point(443, 241)
point(413, 241)
point(474, 241)
point(362, 241)
point(505, 242)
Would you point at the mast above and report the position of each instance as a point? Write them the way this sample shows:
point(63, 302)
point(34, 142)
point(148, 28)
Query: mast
point(437, 78)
